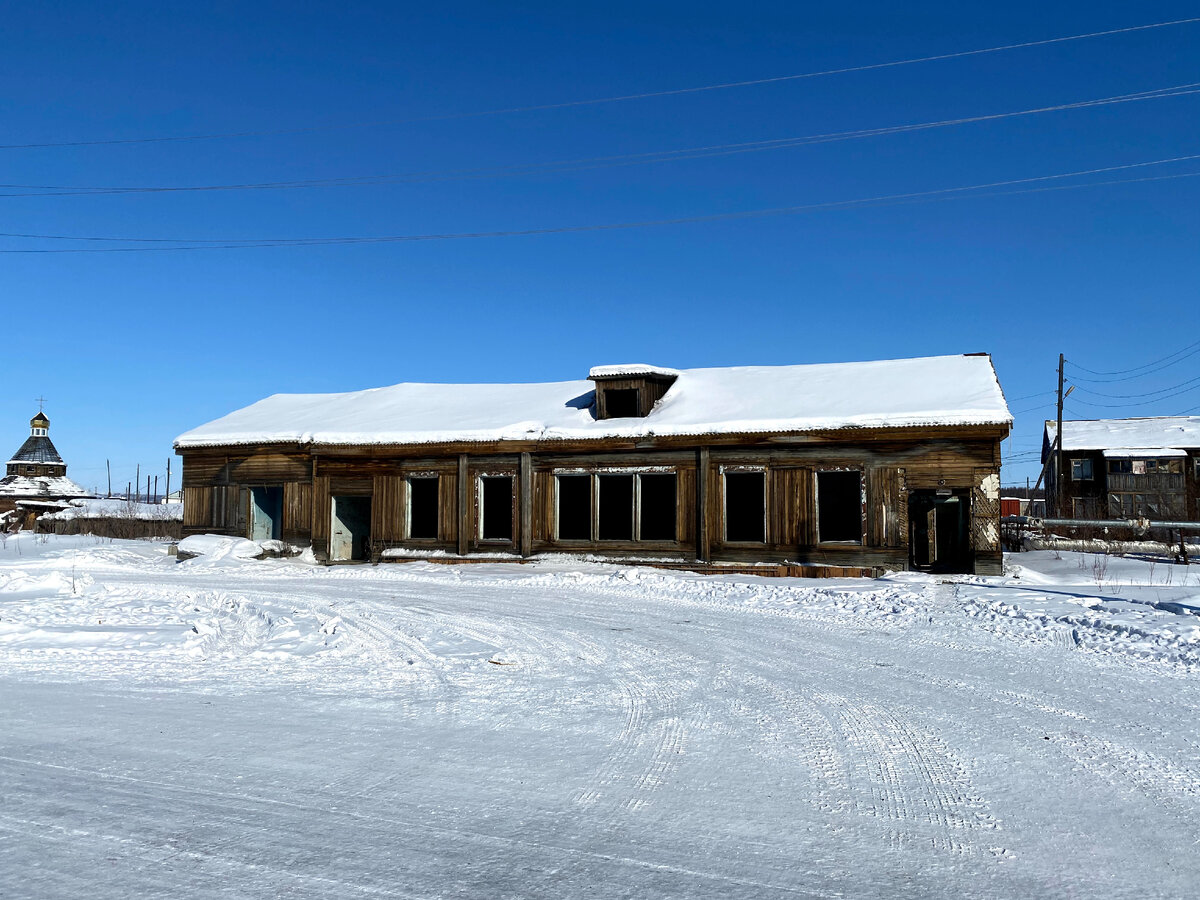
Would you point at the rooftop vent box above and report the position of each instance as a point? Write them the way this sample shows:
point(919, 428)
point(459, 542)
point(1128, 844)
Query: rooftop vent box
point(629, 391)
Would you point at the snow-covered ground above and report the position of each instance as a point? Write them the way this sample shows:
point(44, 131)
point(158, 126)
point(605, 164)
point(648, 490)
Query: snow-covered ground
point(225, 727)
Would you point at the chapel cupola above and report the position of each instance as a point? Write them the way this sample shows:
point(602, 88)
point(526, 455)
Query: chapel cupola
point(629, 391)
point(37, 456)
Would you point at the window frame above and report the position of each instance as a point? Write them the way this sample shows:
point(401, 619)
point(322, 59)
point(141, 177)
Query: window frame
point(409, 478)
point(1077, 464)
point(480, 477)
point(862, 506)
point(593, 476)
point(744, 470)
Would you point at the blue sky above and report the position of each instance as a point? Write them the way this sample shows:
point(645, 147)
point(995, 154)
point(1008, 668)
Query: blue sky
point(132, 348)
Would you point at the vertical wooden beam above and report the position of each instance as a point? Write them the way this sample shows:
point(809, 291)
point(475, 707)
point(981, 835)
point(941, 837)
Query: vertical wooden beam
point(702, 464)
point(525, 488)
point(464, 513)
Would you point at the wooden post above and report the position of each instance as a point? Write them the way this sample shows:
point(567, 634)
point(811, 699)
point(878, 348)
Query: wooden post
point(137, 479)
point(168, 488)
point(702, 463)
point(155, 500)
point(464, 516)
point(525, 487)
point(1060, 467)
point(108, 468)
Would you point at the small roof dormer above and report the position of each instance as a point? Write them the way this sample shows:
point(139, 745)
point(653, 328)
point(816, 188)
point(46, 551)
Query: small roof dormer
point(630, 391)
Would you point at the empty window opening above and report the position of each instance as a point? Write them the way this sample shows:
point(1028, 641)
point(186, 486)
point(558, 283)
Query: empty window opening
point(423, 508)
point(496, 514)
point(574, 507)
point(622, 403)
point(616, 507)
point(657, 507)
point(839, 506)
point(1081, 470)
point(745, 507)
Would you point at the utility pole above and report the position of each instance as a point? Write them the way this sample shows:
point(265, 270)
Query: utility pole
point(1059, 468)
point(108, 466)
point(137, 478)
point(168, 490)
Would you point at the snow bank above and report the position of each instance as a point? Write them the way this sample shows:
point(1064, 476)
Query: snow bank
point(943, 390)
point(219, 546)
point(118, 509)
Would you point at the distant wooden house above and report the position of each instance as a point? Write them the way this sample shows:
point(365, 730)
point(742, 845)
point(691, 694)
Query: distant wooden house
point(855, 466)
point(35, 480)
point(1127, 468)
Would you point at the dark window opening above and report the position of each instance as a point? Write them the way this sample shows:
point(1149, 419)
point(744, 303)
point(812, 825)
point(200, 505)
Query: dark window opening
point(623, 403)
point(839, 506)
point(496, 497)
point(574, 507)
point(745, 507)
point(423, 508)
point(616, 507)
point(1081, 470)
point(658, 507)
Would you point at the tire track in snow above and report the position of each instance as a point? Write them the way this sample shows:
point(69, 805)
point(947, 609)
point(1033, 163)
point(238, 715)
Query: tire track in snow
point(910, 779)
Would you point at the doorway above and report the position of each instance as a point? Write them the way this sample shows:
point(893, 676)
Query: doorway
point(266, 513)
point(939, 535)
point(351, 532)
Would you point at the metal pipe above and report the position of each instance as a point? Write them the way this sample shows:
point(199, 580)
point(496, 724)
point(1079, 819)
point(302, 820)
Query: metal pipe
point(1136, 524)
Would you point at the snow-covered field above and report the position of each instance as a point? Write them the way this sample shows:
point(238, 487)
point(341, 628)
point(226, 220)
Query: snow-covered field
point(225, 727)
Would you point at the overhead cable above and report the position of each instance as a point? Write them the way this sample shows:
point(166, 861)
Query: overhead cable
point(585, 163)
point(897, 199)
point(596, 101)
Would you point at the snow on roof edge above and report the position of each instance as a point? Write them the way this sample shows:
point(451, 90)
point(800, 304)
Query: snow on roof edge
point(631, 370)
point(950, 390)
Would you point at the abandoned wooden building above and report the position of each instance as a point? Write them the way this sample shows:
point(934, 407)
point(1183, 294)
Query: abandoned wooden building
point(825, 468)
point(1126, 468)
point(35, 480)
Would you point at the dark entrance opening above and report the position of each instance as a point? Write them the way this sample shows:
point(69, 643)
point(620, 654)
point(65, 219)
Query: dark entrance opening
point(658, 507)
point(351, 532)
point(266, 513)
point(839, 507)
point(574, 507)
point(745, 507)
point(423, 508)
point(939, 531)
point(623, 403)
point(496, 498)
point(616, 507)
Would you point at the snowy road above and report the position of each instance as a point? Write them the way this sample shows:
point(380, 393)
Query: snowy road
point(220, 728)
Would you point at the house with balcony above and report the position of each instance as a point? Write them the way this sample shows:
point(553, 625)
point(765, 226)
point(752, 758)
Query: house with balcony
point(1126, 468)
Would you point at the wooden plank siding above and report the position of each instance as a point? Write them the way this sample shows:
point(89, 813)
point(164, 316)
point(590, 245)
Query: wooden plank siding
point(892, 462)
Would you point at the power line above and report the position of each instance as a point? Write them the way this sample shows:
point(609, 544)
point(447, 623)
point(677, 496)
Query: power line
point(596, 101)
point(583, 163)
point(898, 199)
point(1194, 348)
point(1141, 395)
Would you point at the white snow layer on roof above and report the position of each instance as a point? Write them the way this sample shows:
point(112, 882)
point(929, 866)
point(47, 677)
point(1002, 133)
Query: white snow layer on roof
point(942, 390)
point(630, 370)
point(1150, 432)
point(40, 486)
point(1137, 452)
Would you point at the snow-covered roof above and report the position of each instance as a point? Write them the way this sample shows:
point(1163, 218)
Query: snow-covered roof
point(631, 370)
point(1139, 452)
point(1145, 434)
point(941, 390)
point(37, 449)
point(43, 486)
